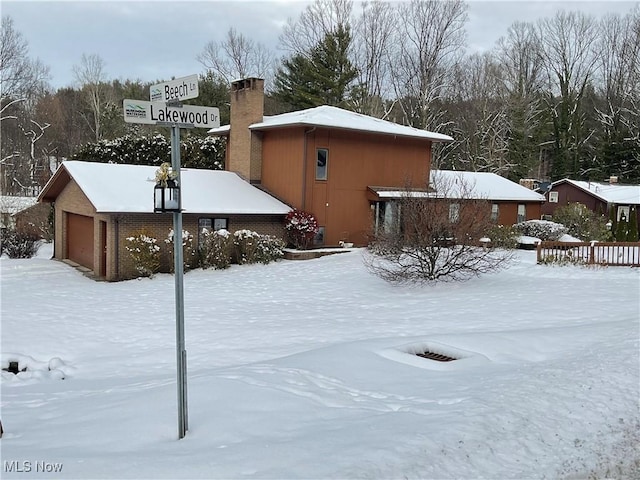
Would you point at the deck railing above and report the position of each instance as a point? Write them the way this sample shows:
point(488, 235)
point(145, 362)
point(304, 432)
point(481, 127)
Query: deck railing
point(590, 253)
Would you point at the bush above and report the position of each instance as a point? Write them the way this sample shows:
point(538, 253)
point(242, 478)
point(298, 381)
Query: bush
point(502, 237)
point(19, 245)
point(542, 229)
point(145, 253)
point(189, 252)
point(433, 240)
point(582, 223)
point(216, 249)
point(300, 227)
point(270, 249)
point(252, 247)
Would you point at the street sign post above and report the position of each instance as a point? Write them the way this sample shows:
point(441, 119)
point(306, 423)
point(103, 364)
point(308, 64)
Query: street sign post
point(175, 90)
point(166, 109)
point(186, 116)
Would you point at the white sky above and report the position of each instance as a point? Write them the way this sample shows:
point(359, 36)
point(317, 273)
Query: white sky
point(158, 40)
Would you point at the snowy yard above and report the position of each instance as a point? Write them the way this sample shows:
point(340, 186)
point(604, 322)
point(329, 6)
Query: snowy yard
point(305, 370)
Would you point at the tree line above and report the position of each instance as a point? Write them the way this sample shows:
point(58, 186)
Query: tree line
point(555, 98)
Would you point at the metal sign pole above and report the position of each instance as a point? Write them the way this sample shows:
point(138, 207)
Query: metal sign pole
point(181, 353)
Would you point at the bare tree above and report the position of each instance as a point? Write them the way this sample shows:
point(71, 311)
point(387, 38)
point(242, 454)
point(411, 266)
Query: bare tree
point(480, 117)
point(22, 80)
point(436, 236)
point(237, 57)
point(20, 76)
point(91, 76)
point(520, 73)
point(318, 20)
point(373, 40)
point(568, 53)
point(431, 39)
point(618, 114)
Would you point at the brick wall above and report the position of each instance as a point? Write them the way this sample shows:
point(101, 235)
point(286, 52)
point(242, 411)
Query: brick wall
point(247, 107)
point(159, 225)
point(35, 220)
point(112, 230)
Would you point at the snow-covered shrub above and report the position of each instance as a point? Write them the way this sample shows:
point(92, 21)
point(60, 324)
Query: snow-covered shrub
point(189, 251)
point(502, 236)
point(145, 252)
point(542, 229)
point(270, 249)
point(246, 246)
point(582, 223)
point(216, 249)
point(19, 245)
point(252, 247)
point(562, 258)
point(301, 227)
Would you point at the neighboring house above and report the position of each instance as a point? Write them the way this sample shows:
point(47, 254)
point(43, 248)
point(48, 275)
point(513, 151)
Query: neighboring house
point(511, 203)
point(35, 220)
point(10, 205)
point(599, 197)
point(324, 160)
point(98, 205)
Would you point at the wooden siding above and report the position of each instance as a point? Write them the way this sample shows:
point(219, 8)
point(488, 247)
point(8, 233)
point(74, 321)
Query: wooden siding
point(282, 165)
point(356, 161)
point(568, 193)
point(508, 211)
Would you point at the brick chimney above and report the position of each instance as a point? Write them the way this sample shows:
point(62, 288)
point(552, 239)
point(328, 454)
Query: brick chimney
point(245, 148)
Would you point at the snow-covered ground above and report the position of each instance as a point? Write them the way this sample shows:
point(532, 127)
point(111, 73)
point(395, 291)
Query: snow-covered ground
point(305, 369)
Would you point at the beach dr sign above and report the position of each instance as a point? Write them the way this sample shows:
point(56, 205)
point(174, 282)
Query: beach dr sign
point(154, 113)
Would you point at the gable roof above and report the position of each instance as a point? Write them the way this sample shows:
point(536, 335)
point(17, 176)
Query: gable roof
point(607, 192)
point(116, 188)
point(466, 185)
point(338, 118)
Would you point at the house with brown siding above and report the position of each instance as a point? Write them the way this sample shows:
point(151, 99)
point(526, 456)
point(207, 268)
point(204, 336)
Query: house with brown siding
point(599, 197)
point(511, 202)
point(324, 160)
point(97, 206)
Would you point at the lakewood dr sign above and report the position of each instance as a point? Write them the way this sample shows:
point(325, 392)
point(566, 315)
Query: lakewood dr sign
point(154, 113)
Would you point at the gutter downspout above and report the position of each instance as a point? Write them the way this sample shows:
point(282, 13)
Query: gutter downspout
point(304, 169)
point(116, 248)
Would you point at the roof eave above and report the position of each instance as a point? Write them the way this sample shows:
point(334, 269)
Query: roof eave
point(262, 127)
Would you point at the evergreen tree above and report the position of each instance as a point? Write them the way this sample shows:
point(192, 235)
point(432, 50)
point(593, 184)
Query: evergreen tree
point(622, 229)
point(321, 77)
point(612, 221)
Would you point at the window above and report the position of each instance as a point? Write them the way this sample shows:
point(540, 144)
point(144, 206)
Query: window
point(623, 214)
point(495, 212)
point(553, 197)
point(454, 212)
point(387, 217)
point(210, 224)
point(322, 159)
point(522, 213)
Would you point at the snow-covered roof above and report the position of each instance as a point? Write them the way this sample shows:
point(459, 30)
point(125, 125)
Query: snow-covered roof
point(11, 205)
point(469, 185)
point(334, 117)
point(129, 189)
point(608, 192)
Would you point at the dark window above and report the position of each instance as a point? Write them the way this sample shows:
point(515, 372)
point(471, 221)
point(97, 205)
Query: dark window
point(211, 224)
point(322, 160)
